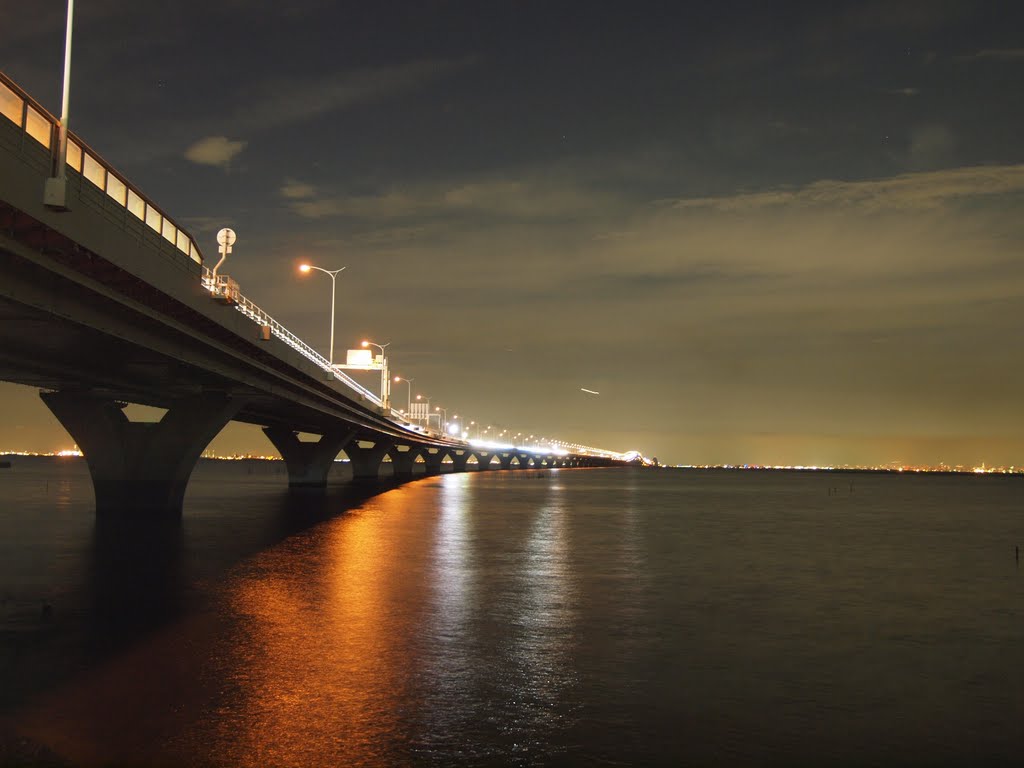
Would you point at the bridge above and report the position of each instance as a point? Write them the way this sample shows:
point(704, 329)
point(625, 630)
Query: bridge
point(107, 301)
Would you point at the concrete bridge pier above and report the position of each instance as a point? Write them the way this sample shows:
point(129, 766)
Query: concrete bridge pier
point(140, 468)
point(460, 460)
point(309, 462)
point(433, 459)
point(402, 461)
point(366, 461)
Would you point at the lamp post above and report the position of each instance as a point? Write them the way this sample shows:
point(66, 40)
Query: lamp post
point(439, 411)
point(385, 380)
point(408, 405)
point(305, 268)
point(55, 188)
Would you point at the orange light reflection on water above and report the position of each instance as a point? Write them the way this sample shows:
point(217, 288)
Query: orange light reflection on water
point(326, 652)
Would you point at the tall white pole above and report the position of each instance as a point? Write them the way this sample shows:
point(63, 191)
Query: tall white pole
point(334, 284)
point(333, 273)
point(55, 189)
point(408, 383)
point(65, 98)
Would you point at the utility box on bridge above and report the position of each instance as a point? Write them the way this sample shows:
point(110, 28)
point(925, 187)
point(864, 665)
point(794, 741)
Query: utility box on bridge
point(225, 290)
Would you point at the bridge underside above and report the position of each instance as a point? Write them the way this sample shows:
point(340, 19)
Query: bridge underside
point(88, 375)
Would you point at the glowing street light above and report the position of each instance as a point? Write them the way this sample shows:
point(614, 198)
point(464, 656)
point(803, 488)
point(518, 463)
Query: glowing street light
point(439, 410)
point(305, 268)
point(385, 380)
point(408, 406)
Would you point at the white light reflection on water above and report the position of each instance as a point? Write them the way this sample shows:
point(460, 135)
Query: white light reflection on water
point(448, 647)
point(538, 669)
point(499, 632)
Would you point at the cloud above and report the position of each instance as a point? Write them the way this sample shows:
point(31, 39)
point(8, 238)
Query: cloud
point(930, 146)
point(297, 190)
point(903, 91)
point(217, 151)
point(1000, 54)
point(930, 190)
point(280, 101)
point(524, 198)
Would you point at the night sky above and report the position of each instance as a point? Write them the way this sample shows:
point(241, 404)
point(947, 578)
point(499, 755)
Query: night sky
point(770, 232)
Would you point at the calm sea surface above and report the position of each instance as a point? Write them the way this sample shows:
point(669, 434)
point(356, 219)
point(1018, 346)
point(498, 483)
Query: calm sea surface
point(591, 617)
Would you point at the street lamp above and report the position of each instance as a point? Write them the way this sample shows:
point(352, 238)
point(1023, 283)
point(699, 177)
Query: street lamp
point(55, 193)
point(385, 380)
point(305, 268)
point(439, 411)
point(408, 406)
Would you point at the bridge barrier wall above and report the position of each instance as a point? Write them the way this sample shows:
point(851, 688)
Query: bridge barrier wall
point(95, 181)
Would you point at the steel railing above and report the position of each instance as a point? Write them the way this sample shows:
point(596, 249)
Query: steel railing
point(225, 288)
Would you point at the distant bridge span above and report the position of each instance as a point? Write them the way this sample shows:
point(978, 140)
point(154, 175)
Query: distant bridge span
point(109, 303)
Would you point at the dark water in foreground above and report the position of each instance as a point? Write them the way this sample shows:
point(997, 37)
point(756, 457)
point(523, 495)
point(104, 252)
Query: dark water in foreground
point(598, 617)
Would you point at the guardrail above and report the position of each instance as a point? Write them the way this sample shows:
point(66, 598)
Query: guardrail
point(225, 288)
point(42, 128)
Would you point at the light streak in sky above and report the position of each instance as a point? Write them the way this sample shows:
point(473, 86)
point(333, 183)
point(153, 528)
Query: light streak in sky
point(589, 391)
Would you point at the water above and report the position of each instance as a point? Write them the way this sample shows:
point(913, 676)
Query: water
point(594, 617)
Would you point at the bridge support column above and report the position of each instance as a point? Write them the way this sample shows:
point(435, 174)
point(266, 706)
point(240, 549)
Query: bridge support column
point(483, 462)
point(366, 461)
point(506, 460)
point(308, 463)
point(459, 460)
point(433, 461)
point(141, 468)
point(402, 461)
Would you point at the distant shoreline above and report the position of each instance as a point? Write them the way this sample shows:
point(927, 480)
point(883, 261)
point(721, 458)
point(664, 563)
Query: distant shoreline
point(949, 471)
